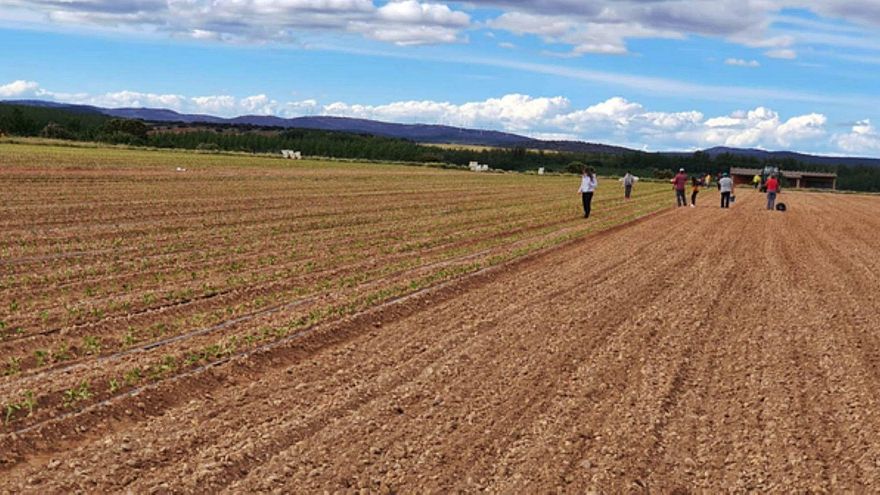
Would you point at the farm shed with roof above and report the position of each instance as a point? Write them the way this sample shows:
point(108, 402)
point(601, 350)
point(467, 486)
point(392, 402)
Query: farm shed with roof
point(795, 178)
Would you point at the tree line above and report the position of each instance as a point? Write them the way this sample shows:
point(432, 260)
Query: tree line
point(53, 123)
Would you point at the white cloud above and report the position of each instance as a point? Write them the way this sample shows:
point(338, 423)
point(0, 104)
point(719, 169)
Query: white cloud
point(783, 53)
point(615, 120)
point(761, 127)
point(583, 36)
point(598, 26)
point(413, 12)
point(512, 112)
point(607, 26)
point(739, 62)
point(862, 138)
point(119, 99)
point(404, 22)
point(217, 105)
point(18, 88)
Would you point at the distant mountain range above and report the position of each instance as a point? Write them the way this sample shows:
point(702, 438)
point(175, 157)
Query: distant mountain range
point(422, 133)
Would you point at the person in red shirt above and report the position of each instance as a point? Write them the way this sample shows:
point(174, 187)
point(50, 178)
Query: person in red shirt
point(678, 183)
point(772, 190)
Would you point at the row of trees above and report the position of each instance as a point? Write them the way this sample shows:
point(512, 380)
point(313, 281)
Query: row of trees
point(54, 123)
point(63, 124)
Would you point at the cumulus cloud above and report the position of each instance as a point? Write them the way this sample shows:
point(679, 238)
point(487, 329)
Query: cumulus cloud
point(18, 88)
point(739, 62)
point(119, 99)
point(761, 127)
point(862, 138)
point(615, 120)
point(514, 112)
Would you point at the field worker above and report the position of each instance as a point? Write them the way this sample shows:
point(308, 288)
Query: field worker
point(678, 183)
point(588, 186)
point(695, 189)
point(629, 180)
point(756, 181)
point(772, 190)
point(726, 187)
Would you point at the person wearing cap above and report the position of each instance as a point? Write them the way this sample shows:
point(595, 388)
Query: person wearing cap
point(726, 187)
point(678, 183)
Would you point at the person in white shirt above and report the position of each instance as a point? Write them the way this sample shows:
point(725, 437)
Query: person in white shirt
point(588, 186)
point(629, 180)
point(725, 185)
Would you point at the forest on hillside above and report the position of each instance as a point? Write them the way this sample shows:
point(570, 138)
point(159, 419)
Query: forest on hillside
point(19, 120)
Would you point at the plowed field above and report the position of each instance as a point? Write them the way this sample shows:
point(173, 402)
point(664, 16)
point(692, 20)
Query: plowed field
point(510, 346)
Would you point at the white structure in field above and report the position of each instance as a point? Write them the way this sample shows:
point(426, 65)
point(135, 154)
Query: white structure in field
point(541, 171)
point(476, 167)
point(293, 155)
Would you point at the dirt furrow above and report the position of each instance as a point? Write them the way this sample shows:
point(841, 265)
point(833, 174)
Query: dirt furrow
point(700, 350)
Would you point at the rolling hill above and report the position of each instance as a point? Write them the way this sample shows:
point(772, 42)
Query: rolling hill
point(423, 133)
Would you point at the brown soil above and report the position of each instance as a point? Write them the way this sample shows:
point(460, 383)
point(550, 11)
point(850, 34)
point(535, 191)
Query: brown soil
point(698, 350)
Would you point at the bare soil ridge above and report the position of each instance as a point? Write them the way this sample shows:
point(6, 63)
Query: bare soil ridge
point(699, 350)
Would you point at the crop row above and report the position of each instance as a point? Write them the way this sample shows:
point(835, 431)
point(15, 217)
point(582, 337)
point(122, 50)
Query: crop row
point(117, 275)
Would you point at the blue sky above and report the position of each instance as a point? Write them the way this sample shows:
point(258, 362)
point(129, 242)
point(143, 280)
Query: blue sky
point(654, 75)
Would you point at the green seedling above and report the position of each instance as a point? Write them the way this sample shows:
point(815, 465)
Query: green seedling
point(41, 357)
point(132, 377)
point(92, 344)
point(62, 354)
point(11, 409)
point(29, 402)
point(77, 394)
point(192, 359)
point(13, 367)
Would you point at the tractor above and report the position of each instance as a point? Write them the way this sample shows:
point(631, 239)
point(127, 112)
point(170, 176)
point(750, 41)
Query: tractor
point(768, 171)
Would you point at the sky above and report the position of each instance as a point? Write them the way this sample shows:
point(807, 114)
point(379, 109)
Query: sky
point(647, 74)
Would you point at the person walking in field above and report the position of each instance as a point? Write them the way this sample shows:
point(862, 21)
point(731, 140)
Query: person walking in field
point(695, 189)
point(756, 181)
point(678, 183)
point(725, 185)
point(588, 187)
point(707, 181)
point(772, 190)
point(629, 180)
